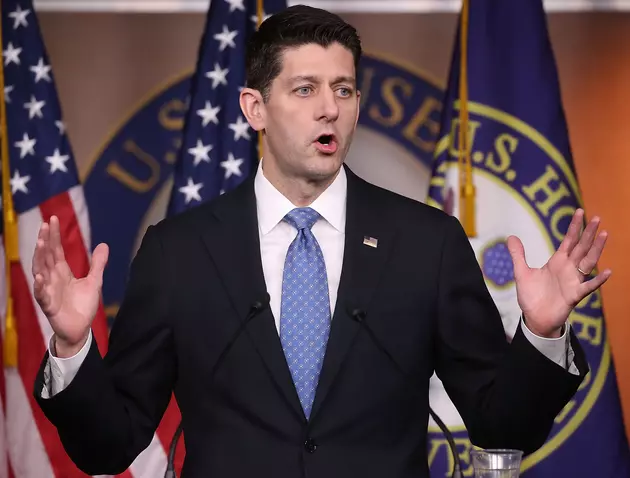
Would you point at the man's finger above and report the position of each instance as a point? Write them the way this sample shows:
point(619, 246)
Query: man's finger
point(595, 283)
point(55, 240)
point(99, 260)
point(586, 241)
point(38, 258)
point(517, 252)
point(49, 259)
point(40, 293)
point(594, 253)
point(38, 286)
point(45, 236)
point(573, 232)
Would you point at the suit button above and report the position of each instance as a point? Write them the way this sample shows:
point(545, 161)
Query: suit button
point(310, 445)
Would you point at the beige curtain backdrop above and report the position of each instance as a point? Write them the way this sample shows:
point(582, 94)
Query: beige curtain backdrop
point(104, 64)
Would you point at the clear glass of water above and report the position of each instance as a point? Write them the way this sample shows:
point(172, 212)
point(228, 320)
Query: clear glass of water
point(496, 463)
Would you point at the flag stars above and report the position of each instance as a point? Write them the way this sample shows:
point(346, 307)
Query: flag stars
point(254, 18)
point(60, 126)
point(232, 166)
point(19, 17)
point(226, 38)
point(236, 5)
point(240, 129)
point(11, 55)
point(209, 114)
point(7, 90)
point(27, 146)
point(191, 191)
point(218, 76)
point(41, 70)
point(35, 108)
point(58, 161)
point(18, 183)
point(200, 152)
point(215, 130)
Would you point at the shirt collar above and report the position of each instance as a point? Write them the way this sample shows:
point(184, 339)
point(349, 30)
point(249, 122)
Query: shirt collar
point(272, 206)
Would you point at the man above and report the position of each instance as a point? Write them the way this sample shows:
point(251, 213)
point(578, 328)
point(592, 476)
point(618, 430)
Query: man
point(299, 318)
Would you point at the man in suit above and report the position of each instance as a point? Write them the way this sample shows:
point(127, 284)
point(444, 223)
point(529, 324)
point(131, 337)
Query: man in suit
point(299, 318)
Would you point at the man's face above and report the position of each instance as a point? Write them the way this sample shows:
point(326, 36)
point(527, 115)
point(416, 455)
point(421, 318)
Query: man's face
point(312, 112)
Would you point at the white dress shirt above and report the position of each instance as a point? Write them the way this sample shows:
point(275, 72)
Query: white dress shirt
point(275, 237)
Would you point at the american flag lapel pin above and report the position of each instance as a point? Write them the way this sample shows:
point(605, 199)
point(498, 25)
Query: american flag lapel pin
point(370, 241)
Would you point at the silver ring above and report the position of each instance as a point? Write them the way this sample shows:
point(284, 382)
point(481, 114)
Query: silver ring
point(585, 274)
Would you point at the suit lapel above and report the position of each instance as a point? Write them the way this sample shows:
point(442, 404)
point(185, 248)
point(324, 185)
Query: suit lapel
point(362, 269)
point(235, 249)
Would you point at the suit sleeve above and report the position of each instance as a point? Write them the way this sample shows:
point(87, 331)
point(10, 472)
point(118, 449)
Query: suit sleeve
point(109, 412)
point(508, 394)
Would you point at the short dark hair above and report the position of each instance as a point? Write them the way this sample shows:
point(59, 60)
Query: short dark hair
point(295, 26)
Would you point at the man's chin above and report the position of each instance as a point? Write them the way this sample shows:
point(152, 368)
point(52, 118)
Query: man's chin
point(324, 167)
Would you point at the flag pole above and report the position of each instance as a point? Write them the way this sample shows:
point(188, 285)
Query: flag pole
point(11, 249)
point(259, 15)
point(467, 188)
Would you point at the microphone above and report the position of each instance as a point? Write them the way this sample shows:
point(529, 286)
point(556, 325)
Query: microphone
point(255, 309)
point(359, 316)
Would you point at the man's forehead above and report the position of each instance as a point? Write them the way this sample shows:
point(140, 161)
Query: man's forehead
point(317, 61)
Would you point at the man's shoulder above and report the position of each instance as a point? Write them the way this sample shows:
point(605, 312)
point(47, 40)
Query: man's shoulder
point(185, 221)
point(399, 207)
point(196, 219)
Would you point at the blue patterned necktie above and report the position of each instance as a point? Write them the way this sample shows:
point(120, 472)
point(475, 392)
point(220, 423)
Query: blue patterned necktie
point(305, 307)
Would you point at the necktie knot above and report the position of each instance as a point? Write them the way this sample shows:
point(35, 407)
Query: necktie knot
point(302, 217)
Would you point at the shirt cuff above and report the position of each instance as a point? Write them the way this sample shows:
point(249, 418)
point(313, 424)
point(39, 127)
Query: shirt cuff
point(60, 372)
point(558, 350)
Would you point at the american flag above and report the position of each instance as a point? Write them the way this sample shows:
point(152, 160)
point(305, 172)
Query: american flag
point(43, 181)
point(218, 152)
point(219, 148)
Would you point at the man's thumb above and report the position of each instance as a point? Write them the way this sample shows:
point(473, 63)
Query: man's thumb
point(517, 251)
point(99, 260)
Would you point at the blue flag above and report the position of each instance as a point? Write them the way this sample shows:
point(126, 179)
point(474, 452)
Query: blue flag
point(219, 148)
point(518, 163)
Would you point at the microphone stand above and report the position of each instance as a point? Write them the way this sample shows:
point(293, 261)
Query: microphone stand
point(170, 467)
point(359, 316)
point(457, 466)
point(255, 309)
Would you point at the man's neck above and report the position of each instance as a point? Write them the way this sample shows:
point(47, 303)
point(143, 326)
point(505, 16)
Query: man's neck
point(301, 192)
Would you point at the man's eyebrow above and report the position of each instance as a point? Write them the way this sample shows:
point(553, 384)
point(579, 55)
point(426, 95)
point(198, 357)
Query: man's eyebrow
point(345, 79)
point(314, 79)
point(309, 78)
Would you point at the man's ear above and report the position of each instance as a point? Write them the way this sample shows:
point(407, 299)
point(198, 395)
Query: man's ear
point(253, 108)
point(356, 120)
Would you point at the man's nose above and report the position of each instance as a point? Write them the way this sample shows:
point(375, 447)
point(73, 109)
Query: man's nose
point(327, 106)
